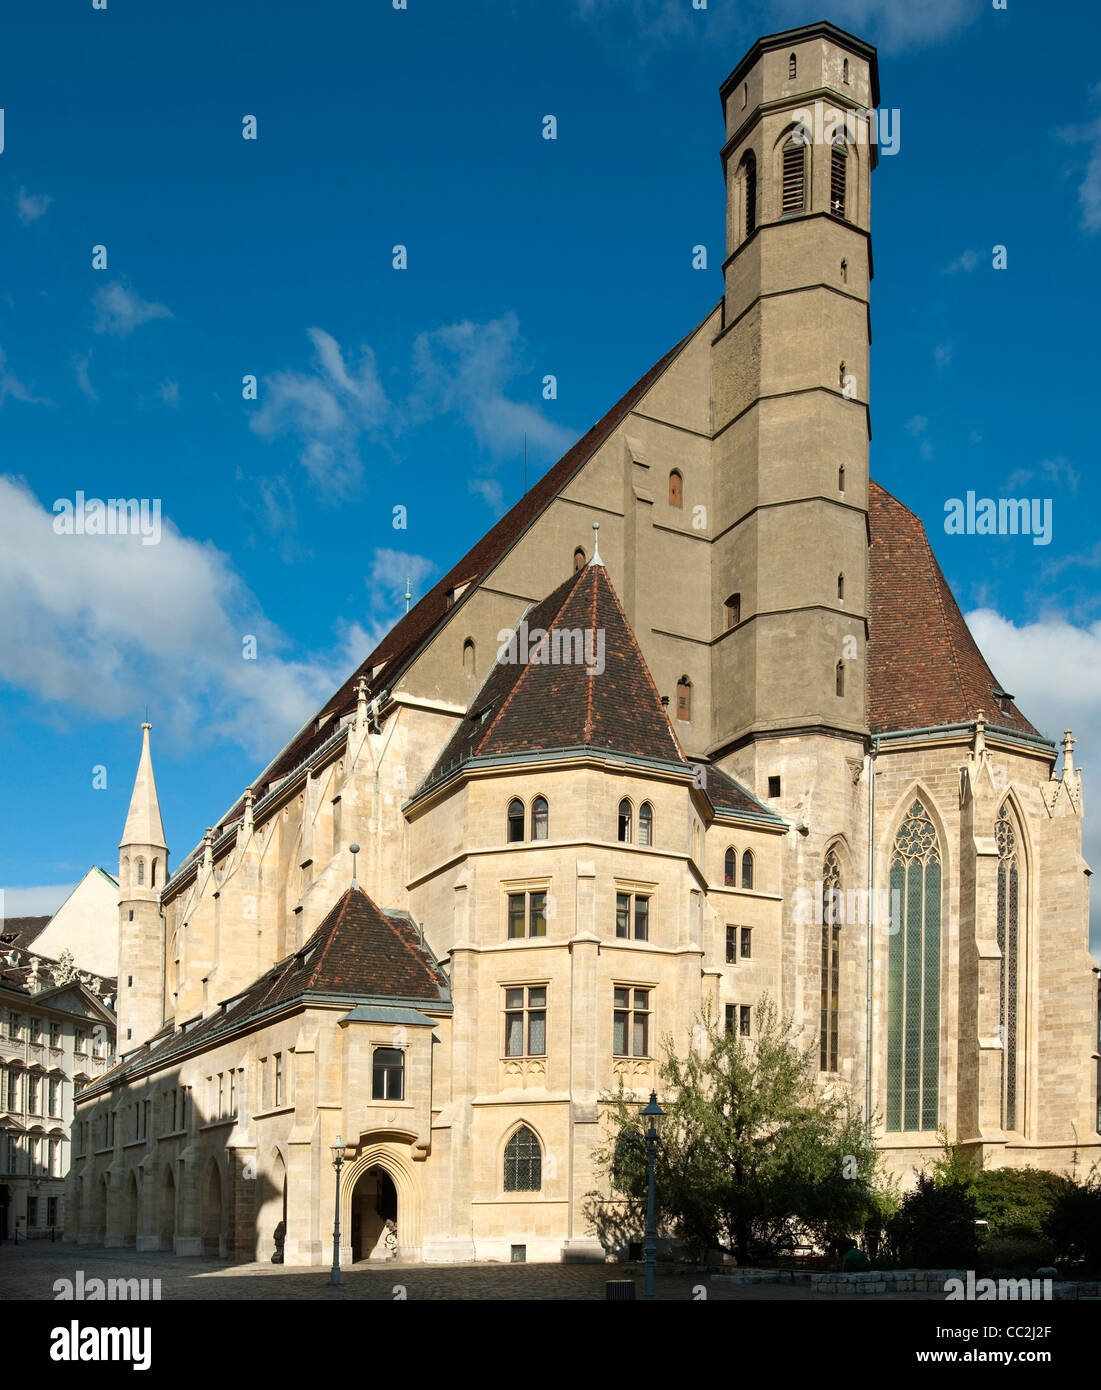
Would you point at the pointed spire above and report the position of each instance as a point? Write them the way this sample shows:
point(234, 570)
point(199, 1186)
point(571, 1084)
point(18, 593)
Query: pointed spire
point(143, 819)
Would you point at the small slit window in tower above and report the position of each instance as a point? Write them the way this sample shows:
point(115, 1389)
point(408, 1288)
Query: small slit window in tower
point(152, 873)
point(749, 184)
point(141, 872)
point(793, 67)
point(845, 70)
point(841, 376)
point(468, 657)
point(676, 497)
point(841, 478)
point(844, 272)
point(578, 560)
point(745, 95)
point(793, 192)
point(733, 610)
point(840, 678)
point(684, 698)
point(841, 588)
point(838, 158)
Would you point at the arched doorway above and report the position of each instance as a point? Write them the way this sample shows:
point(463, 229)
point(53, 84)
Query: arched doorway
point(374, 1203)
point(131, 1232)
point(212, 1211)
point(166, 1211)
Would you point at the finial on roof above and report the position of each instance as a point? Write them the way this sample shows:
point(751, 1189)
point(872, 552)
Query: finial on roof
point(354, 850)
point(1068, 754)
point(979, 747)
point(408, 593)
point(596, 560)
point(361, 702)
point(250, 796)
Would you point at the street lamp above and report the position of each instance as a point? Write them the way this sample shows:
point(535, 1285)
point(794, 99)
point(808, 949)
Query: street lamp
point(337, 1151)
point(653, 1112)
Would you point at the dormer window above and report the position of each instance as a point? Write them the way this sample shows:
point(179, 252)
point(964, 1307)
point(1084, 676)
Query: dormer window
point(578, 560)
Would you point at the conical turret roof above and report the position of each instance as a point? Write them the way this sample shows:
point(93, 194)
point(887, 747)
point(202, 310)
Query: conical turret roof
point(143, 820)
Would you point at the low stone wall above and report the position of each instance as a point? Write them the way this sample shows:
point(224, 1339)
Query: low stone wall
point(885, 1281)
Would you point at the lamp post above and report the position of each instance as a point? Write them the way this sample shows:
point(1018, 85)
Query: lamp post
point(653, 1112)
point(337, 1151)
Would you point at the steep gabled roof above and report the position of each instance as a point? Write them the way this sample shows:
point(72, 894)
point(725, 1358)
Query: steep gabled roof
point(573, 678)
point(358, 952)
point(924, 667)
point(413, 630)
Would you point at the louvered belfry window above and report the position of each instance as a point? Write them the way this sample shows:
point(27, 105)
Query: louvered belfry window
point(838, 157)
point(749, 163)
point(913, 976)
point(794, 178)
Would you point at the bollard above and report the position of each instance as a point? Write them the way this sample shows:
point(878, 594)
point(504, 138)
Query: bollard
point(619, 1290)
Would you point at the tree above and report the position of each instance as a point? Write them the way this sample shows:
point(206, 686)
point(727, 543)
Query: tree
point(753, 1158)
point(935, 1226)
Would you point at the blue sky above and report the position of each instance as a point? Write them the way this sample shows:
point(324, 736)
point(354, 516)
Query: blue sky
point(381, 387)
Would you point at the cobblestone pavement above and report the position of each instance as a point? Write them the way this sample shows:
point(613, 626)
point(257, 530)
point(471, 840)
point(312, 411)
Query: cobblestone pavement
point(29, 1271)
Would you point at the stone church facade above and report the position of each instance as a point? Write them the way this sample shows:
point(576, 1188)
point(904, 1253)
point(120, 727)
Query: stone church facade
point(746, 745)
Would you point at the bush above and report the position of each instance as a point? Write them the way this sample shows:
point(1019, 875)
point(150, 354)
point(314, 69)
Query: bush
point(934, 1228)
point(1074, 1224)
point(1012, 1256)
point(1017, 1201)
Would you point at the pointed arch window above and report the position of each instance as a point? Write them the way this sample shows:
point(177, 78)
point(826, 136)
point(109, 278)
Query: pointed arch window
point(646, 824)
point(1009, 942)
point(676, 489)
point(839, 158)
point(684, 698)
point(540, 818)
point(793, 67)
point(832, 914)
point(578, 560)
point(749, 190)
point(845, 70)
point(523, 1162)
point(793, 178)
point(153, 873)
point(730, 868)
point(844, 272)
point(469, 657)
point(515, 821)
point(747, 869)
point(913, 975)
point(625, 821)
point(733, 610)
point(141, 873)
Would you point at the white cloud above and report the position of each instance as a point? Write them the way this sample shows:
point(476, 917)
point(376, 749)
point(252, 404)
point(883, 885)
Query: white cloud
point(489, 490)
point(1089, 187)
point(91, 620)
point(31, 206)
point(391, 570)
point(1053, 668)
point(942, 354)
point(12, 388)
point(917, 425)
point(120, 311)
point(83, 380)
point(965, 261)
point(169, 392)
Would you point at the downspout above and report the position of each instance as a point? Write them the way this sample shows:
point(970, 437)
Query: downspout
point(873, 753)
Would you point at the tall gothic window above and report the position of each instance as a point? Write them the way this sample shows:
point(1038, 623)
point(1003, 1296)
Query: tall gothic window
point(1009, 942)
point(749, 189)
point(838, 167)
point(540, 818)
point(831, 949)
point(730, 867)
point(913, 976)
point(523, 1162)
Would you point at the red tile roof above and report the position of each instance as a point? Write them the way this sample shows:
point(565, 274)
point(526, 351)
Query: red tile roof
point(924, 667)
point(578, 680)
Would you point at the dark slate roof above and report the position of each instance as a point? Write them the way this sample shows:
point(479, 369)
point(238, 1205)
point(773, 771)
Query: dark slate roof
point(730, 797)
point(20, 932)
point(358, 952)
point(411, 633)
point(924, 667)
point(546, 705)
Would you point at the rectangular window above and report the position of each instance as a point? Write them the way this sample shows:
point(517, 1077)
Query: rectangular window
point(55, 1034)
point(743, 1020)
point(537, 914)
point(233, 1093)
point(221, 1096)
point(278, 1077)
point(32, 1095)
point(731, 944)
point(747, 943)
point(13, 1155)
point(36, 1030)
point(516, 910)
point(80, 1042)
point(527, 914)
point(51, 1211)
point(388, 1082)
point(640, 914)
point(630, 1022)
point(32, 1212)
point(774, 786)
point(13, 1091)
point(526, 1021)
point(731, 1017)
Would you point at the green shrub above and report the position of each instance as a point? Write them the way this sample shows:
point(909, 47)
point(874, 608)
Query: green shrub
point(1012, 1256)
point(934, 1228)
point(1017, 1201)
point(1074, 1224)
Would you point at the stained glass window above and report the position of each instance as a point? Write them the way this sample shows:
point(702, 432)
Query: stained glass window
point(831, 947)
point(1009, 934)
point(523, 1162)
point(913, 976)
